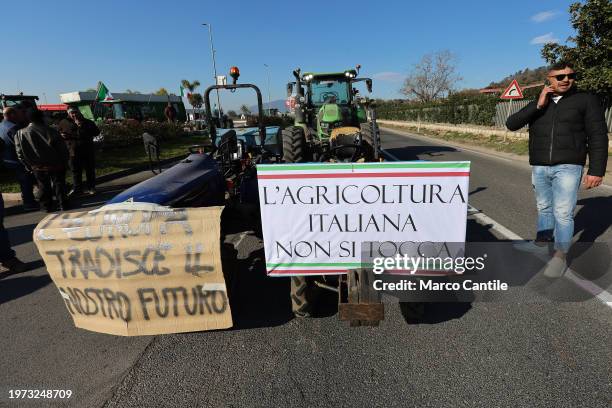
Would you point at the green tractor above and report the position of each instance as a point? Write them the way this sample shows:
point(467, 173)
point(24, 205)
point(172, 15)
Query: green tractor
point(333, 123)
point(14, 100)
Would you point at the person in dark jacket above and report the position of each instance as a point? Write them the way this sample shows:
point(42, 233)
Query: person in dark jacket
point(8, 260)
point(170, 113)
point(565, 126)
point(83, 157)
point(13, 121)
point(43, 151)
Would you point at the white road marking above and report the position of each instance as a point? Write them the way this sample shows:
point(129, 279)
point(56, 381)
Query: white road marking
point(495, 226)
point(237, 243)
point(600, 294)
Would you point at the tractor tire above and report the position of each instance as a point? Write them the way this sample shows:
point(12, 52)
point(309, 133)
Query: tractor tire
point(367, 133)
point(367, 136)
point(301, 291)
point(295, 149)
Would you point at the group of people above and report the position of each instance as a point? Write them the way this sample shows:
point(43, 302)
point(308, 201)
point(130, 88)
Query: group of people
point(39, 155)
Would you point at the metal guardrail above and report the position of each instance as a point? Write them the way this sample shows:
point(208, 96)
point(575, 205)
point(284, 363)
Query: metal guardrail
point(505, 109)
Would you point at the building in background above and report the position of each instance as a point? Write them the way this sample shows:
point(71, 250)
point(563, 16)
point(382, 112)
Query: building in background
point(124, 105)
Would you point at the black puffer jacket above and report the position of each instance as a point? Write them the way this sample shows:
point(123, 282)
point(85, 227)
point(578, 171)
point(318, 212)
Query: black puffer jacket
point(564, 132)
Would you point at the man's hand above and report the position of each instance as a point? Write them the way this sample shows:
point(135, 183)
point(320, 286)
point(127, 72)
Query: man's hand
point(544, 97)
point(592, 181)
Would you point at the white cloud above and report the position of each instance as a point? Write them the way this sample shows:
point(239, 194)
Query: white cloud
point(544, 16)
point(545, 39)
point(388, 76)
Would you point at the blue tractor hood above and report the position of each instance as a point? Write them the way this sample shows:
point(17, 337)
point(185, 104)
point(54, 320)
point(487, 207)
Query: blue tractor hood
point(193, 182)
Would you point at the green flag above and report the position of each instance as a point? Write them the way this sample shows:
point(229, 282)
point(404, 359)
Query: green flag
point(103, 93)
point(182, 90)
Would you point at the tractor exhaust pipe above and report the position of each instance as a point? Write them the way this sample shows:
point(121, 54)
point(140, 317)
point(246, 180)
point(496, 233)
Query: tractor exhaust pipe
point(299, 110)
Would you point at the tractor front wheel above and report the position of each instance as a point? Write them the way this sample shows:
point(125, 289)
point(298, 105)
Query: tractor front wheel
point(295, 149)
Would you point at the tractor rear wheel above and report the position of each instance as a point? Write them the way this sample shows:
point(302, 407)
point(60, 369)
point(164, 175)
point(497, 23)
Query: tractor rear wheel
point(295, 149)
point(301, 292)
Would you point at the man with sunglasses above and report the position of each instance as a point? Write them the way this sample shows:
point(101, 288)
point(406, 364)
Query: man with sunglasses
point(565, 126)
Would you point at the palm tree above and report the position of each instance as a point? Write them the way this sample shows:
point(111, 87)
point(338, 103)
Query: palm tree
point(194, 101)
point(245, 110)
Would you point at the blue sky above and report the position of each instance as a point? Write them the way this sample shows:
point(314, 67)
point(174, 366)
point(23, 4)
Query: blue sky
point(60, 46)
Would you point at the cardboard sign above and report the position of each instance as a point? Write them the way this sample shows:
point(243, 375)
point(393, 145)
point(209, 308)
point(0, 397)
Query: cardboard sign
point(137, 270)
point(316, 216)
point(513, 91)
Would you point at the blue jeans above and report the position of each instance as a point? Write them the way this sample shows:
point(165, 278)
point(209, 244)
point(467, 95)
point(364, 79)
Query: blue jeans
point(6, 252)
point(556, 192)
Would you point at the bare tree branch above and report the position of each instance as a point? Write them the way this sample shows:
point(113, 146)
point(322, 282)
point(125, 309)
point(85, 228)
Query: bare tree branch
point(432, 78)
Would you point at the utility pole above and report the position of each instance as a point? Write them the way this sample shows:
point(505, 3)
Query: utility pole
point(212, 52)
point(269, 99)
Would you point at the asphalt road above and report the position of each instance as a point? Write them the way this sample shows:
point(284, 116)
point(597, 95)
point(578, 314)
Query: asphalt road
point(459, 354)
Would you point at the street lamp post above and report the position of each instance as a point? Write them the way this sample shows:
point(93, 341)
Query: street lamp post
point(269, 99)
point(212, 52)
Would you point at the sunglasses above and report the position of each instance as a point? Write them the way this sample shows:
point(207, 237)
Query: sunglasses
point(561, 77)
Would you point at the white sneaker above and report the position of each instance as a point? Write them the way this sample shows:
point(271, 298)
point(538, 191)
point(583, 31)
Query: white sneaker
point(555, 268)
point(531, 247)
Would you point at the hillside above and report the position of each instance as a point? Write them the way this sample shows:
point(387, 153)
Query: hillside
point(524, 77)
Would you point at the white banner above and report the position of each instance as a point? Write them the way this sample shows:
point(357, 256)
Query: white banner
point(315, 216)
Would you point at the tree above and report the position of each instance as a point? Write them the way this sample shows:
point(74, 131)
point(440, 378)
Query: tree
point(161, 92)
point(232, 114)
point(592, 53)
point(130, 91)
point(190, 86)
point(245, 110)
point(195, 100)
point(432, 78)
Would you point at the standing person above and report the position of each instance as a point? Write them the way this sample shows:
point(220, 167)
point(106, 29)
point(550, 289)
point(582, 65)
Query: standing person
point(565, 126)
point(7, 256)
point(69, 132)
point(41, 149)
point(84, 153)
point(170, 112)
point(13, 120)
